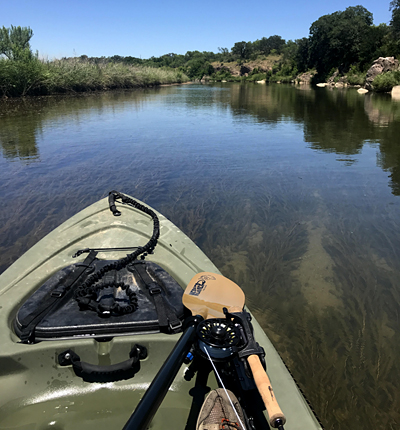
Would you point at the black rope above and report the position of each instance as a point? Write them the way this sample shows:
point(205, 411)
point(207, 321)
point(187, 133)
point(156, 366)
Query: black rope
point(92, 302)
point(87, 289)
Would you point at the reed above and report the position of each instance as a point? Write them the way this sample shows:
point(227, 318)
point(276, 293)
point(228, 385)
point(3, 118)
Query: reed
point(32, 76)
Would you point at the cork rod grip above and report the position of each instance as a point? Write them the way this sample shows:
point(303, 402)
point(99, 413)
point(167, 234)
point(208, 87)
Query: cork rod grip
point(265, 389)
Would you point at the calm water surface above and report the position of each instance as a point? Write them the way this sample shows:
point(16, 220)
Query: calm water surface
point(293, 192)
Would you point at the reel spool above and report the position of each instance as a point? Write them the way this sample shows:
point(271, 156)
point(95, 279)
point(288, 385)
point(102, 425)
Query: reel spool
point(219, 337)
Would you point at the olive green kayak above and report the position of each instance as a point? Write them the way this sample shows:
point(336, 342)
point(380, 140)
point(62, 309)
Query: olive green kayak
point(70, 296)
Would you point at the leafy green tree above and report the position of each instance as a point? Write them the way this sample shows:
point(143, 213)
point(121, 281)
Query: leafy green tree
point(197, 68)
point(14, 42)
point(374, 45)
point(223, 55)
point(116, 59)
point(242, 50)
point(394, 43)
point(267, 44)
point(336, 39)
point(276, 42)
point(290, 52)
point(172, 60)
point(190, 55)
point(395, 21)
point(262, 46)
point(133, 60)
point(302, 57)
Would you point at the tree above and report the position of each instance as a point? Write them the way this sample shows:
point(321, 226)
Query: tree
point(224, 54)
point(395, 21)
point(303, 54)
point(395, 26)
point(266, 45)
point(336, 39)
point(197, 68)
point(276, 42)
point(14, 42)
point(374, 45)
point(242, 50)
point(290, 51)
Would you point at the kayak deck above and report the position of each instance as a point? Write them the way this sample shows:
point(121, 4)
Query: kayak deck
point(37, 393)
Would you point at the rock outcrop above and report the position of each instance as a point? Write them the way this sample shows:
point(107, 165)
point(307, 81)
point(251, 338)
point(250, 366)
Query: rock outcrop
point(381, 65)
point(396, 92)
point(305, 78)
point(244, 70)
point(233, 71)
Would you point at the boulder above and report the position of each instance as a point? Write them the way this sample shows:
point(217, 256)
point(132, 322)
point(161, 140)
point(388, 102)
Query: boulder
point(381, 65)
point(333, 79)
point(305, 78)
point(396, 92)
point(337, 80)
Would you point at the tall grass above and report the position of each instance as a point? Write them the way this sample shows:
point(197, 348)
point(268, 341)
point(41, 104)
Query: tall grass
point(32, 76)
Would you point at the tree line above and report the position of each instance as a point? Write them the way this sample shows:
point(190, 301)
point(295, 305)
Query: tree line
point(196, 64)
point(344, 40)
point(341, 40)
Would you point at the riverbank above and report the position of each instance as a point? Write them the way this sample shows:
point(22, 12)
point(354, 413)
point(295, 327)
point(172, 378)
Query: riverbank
point(382, 76)
point(34, 77)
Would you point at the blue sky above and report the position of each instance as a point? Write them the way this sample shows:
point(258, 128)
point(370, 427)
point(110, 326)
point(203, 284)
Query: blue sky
point(155, 27)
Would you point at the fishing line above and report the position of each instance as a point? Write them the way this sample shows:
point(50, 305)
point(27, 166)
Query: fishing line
point(226, 392)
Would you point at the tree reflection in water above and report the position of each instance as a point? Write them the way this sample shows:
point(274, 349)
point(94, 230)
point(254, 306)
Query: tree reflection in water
point(291, 191)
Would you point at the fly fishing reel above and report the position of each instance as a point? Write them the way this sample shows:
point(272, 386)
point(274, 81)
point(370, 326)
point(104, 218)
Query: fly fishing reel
point(217, 338)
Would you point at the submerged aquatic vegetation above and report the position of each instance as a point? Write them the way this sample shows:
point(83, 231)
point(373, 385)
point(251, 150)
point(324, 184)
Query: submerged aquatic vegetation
point(313, 242)
point(340, 351)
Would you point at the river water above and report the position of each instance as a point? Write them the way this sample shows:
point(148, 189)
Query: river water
point(293, 192)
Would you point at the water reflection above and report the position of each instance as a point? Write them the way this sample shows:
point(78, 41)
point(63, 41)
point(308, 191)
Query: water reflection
point(18, 140)
point(285, 188)
point(22, 121)
point(381, 110)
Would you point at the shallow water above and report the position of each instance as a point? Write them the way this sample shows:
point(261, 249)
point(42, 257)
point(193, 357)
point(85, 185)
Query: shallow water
point(293, 192)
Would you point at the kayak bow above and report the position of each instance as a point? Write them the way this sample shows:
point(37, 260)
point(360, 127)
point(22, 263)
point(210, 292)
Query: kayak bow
point(123, 330)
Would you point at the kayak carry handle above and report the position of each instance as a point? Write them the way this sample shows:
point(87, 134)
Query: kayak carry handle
point(95, 373)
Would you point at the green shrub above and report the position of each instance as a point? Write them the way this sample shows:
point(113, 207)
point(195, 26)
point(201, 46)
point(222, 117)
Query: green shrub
point(256, 77)
point(222, 75)
point(356, 79)
point(332, 72)
point(355, 76)
point(22, 76)
point(386, 81)
point(281, 78)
